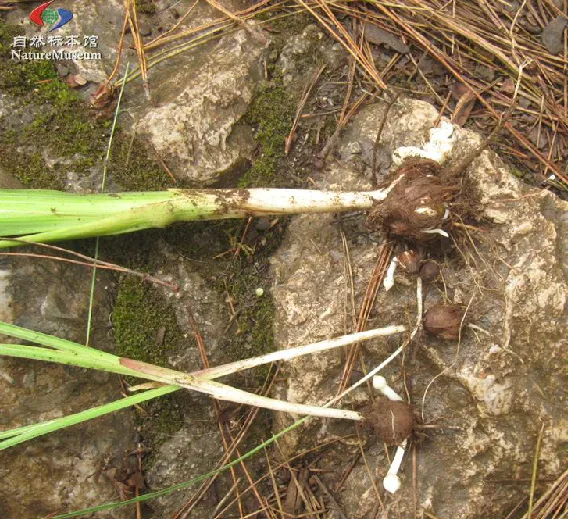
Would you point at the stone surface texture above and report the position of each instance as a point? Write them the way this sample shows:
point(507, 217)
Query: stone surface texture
point(65, 470)
point(491, 392)
point(189, 453)
point(199, 98)
point(193, 124)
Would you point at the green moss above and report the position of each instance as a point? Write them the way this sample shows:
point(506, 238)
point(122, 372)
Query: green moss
point(139, 314)
point(146, 6)
point(31, 170)
point(235, 277)
point(59, 130)
point(19, 77)
point(518, 173)
point(62, 130)
point(285, 24)
point(254, 322)
point(134, 169)
point(271, 114)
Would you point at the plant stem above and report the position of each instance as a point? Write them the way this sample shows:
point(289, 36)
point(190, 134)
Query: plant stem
point(46, 216)
point(288, 354)
point(225, 392)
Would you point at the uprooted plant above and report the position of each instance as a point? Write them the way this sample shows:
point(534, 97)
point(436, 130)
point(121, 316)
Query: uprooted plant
point(416, 204)
point(61, 351)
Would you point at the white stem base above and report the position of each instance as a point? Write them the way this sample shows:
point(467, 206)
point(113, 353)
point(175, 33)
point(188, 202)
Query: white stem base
point(391, 483)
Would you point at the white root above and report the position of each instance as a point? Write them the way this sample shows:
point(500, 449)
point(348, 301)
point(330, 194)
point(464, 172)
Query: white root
point(388, 282)
point(391, 482)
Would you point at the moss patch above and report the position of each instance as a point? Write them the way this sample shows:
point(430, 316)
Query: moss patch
point(52, 132)
point(140, 316)
point(57, 129)
point(236, 276)
point(252, 332)
point(134, 169)
point(19, 77)
point(146, 6)
point(271, 114)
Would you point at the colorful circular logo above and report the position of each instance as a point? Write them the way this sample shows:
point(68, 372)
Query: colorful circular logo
point(50, 16)
point(54, 18)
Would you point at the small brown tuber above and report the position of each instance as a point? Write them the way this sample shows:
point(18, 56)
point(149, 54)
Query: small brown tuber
point(444, 320)
point(392, 420)
point(429, 271)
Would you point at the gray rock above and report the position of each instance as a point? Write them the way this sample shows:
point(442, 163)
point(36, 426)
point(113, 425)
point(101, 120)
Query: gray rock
point(505, 379)
point(198, 103)
point(553, 35)
point(191, 452)
point(304, 52)
point(379, 36)
point(406, 125)
point(64, 470)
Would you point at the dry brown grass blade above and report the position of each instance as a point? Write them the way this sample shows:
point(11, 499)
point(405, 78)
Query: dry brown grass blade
point(553, 504)
point(338, 31)
point(282, 464)
point(535, 472)
point(171, 35)
point(118, 50)
point(462, 35)
point(274, 485)
point(377, 277)
point(377, 142)
point(341, 123)
point(86, 261)
point(132, 16)
point(238, 20)
point(172, 29)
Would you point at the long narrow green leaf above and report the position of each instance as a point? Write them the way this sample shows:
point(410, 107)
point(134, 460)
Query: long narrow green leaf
point(27, 211)
point(176, 207)
point(72, 359)
point(29, 432)
point(50, 341)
